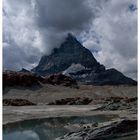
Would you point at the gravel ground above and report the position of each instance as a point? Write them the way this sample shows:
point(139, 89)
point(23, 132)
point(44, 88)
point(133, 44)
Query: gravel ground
point(49, 93)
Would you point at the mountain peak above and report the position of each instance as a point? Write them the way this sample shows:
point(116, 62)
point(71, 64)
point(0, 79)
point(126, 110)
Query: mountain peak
point(73, 59)
point(70, 35)
point(71, 39)
point(70, 51)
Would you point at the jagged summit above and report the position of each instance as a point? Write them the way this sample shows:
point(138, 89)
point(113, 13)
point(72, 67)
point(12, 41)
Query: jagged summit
point(74, 60)
point(70, 51)
point(71, 38)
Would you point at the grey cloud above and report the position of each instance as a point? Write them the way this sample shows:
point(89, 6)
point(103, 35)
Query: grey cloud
point(56, 18)
point(63, 15)
point(20, 38)
point(33, 28)
point(115, 26)
point(16, 58)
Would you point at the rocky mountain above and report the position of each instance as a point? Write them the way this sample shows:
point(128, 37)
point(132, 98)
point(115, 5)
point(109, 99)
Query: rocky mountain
point(76, 61)
point(70, 51)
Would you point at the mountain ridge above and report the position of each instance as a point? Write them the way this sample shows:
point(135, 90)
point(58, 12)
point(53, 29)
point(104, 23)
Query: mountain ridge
point(71, 54)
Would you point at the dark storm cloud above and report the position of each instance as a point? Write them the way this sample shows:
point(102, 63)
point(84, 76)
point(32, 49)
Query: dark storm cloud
point(33, 28)
point(63, 15)
point(21, 39)
point(56, 18)
point(16, 58)
point(115, 26)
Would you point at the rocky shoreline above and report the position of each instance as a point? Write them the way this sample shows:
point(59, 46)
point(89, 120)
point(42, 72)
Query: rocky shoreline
point(108, 130)
point(122, 121)
point(116, 129)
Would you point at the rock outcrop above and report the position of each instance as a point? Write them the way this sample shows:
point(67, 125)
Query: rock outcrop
point(28, 79)
point(72, 101)
point(76, 61)
point(60, 79)
point(12, 78)
point(17, 102)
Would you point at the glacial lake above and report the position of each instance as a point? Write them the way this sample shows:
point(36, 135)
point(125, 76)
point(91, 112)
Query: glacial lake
point(49, 129)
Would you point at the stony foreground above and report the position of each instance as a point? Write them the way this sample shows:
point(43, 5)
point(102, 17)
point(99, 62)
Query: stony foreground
point(119, 123)
point(50, 93)
point(117, 103)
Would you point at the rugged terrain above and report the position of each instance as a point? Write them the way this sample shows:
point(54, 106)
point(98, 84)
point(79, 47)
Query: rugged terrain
point(104, 115)
point(118, 103)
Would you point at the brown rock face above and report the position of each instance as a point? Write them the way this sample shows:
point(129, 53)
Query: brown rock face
point(17, 102)
point(60, 79)
point(11, 78)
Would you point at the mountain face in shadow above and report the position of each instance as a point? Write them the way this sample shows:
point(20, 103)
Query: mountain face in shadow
point(76, 61)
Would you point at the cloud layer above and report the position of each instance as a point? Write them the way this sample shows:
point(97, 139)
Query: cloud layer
point(56, 18)
point(107, 27)
point(113, 35)
point(34, 28)
point(21, 40)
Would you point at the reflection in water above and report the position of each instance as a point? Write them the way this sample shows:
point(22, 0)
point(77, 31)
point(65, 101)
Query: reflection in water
point(128, 138)
point(39, 131)
point(23, 135)
point(47, 129)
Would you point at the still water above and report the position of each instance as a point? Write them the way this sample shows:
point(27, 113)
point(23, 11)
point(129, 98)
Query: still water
point(128, 138)
point(47, 129)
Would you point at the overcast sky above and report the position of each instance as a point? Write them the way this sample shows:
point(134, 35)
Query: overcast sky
point(108, 28)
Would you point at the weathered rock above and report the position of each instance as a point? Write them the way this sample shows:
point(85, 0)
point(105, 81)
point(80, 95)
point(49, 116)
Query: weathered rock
point(60, 79)
point(116, 129)
point(129, 100)
point(72, 101)
point(17, 102)
point(11, 78)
